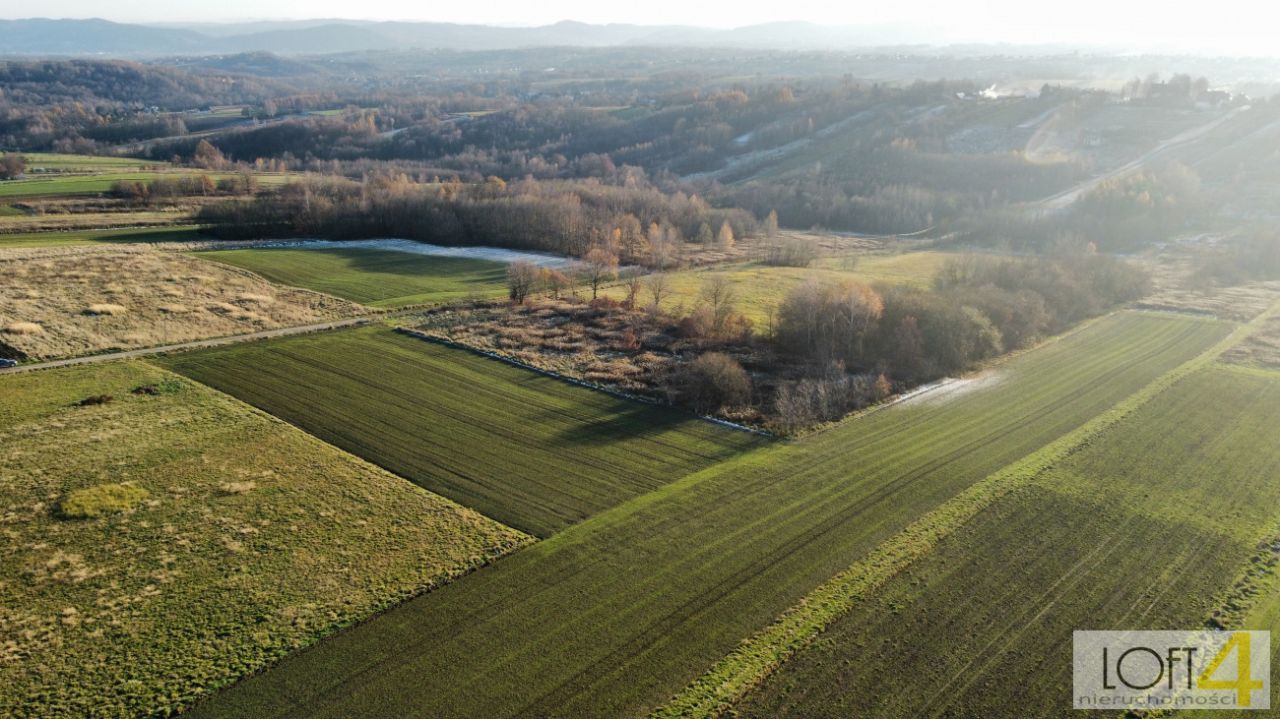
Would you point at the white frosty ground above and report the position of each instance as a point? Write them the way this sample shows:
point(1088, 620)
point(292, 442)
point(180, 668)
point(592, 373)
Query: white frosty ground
point(495, 254)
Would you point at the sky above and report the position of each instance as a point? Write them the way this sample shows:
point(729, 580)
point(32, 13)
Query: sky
point(1231, 26)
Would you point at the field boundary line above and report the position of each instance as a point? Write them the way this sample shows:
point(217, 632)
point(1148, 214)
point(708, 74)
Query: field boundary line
point(757, 657)
point(454, 344)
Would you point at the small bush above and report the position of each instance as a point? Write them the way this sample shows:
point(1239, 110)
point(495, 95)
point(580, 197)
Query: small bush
point(106, 309)
point(24, 328)
point(713, 381)
point(96, 399)
point(100, 500)
point(168, 386)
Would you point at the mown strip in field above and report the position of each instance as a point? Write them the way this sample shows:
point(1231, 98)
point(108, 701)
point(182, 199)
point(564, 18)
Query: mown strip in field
point(613, 616)
point(378, 278)
point(210, 539)
point(531, 451)
point(1140, 529)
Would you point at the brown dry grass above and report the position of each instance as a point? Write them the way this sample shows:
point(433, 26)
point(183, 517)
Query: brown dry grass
point(76, 300)
point(23, 328)
point(1261, 349)
point(1180, 287)
point(569, 338)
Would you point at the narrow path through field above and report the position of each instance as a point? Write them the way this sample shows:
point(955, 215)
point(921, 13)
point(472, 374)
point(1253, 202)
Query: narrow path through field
point(196, 344)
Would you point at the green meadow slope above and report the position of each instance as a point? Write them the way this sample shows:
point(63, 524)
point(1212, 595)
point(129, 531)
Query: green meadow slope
point(169, 540)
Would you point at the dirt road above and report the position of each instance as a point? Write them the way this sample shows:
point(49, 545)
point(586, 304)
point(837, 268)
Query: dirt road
point(196, 344)
point(1066, 198)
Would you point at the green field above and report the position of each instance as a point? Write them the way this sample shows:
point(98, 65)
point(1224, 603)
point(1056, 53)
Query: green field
point(240, 539)
point(71, 185)
point(759, 289)
point(1140, 530)
point(378, 278)
point(55, 162)
point(534, 452)
point(613, 616)
point(94, 237)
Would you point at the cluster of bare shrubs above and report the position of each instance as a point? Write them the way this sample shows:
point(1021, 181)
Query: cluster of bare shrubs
point(825, 398)
point(165, 189)
point(978, 308)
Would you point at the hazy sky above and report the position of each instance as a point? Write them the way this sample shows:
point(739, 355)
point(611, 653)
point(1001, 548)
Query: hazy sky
point(1245, 26)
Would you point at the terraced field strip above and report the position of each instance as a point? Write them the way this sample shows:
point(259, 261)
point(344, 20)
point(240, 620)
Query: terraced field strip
point(613, 616)
point(68, 185)
point(757, 657)
point(50, 161)
point(378, 278)
point(1142, 527)
point(93, 237)
point(529, 450)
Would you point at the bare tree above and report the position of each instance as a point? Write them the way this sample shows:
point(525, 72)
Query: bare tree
point(601, 265)
point(771, 225)
point(634, 284)
point(725, 238)
point(719, 294)
point(12, 166)
point(522, 277)
point(554, 281)
point(657, 284)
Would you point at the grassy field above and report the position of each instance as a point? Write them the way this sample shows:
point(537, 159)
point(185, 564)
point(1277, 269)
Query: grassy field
point(759, 289)
point(531, 451)
point(378, 278)
point(55, 162)
point(70, 301)
point(613, 616)
point(22, 222)
point(229, 540)
point(71, 185)
point(97, 237)
point(1142, 529)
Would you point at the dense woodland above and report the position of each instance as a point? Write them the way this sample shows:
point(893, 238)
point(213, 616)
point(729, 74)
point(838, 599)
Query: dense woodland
point(634, 221)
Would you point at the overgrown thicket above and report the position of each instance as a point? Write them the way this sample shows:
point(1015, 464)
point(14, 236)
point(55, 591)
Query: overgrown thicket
point(637, 223)
point(836, 346)
point(855, 338)
point(1254, 256)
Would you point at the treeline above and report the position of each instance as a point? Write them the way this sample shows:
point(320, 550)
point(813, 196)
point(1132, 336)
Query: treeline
point(638, 223)
point(164, 189)
point(851, 335)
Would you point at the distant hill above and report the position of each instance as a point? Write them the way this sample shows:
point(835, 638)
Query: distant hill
point(93, 37)
point(99, 37)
